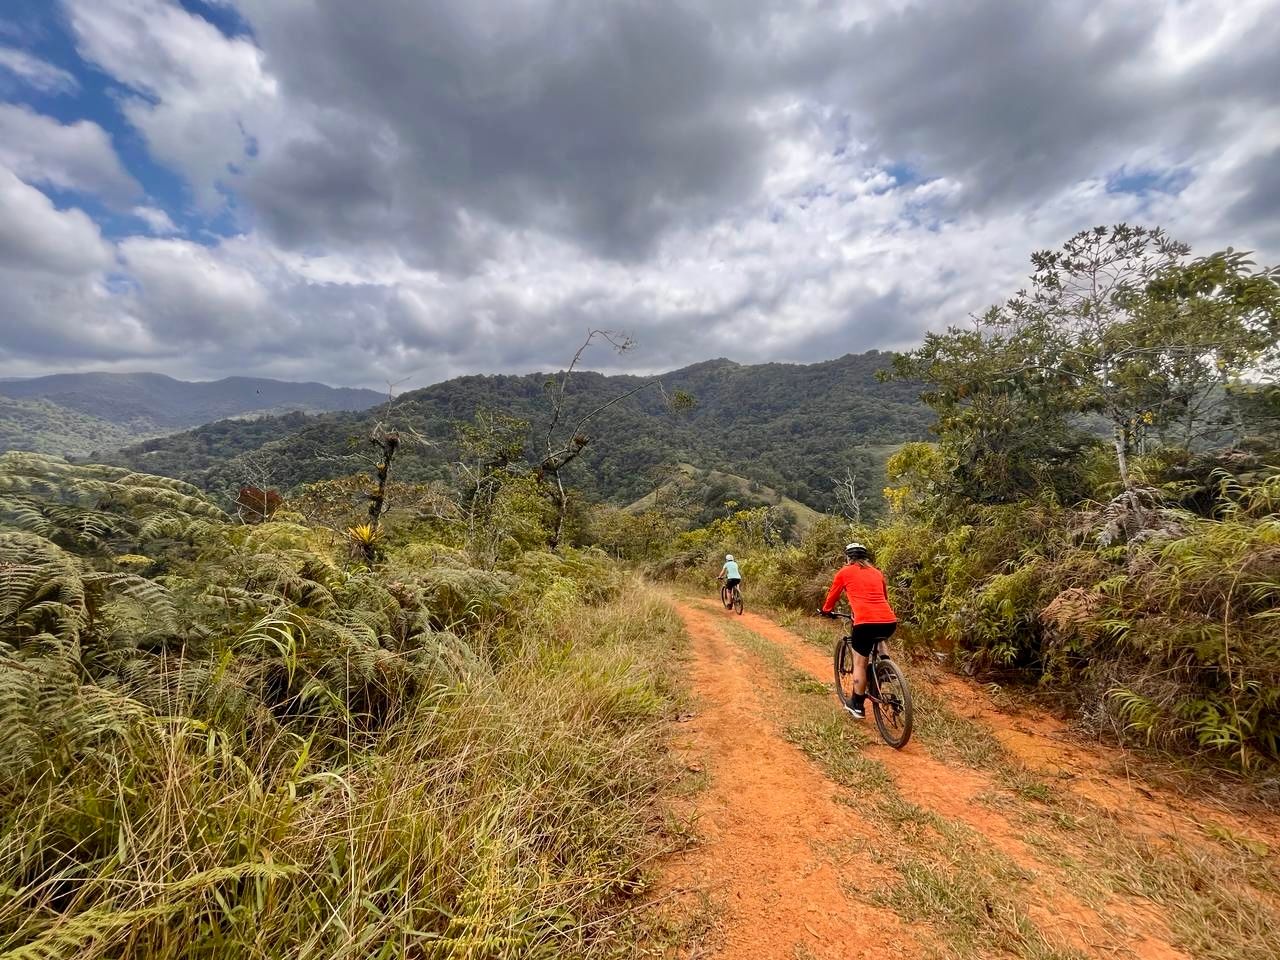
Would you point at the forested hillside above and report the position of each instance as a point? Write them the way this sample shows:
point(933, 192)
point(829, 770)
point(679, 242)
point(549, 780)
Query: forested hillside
point(80, 413)
point(43, 426)
point(787, 426)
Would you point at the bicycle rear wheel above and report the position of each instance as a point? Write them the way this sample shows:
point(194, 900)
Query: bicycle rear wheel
point(892, 703)
point(737, 601)
point(844, 671)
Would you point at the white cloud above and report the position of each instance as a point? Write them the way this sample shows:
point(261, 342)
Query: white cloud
point(34, 72)
point(201, 97)
point(55, 297)
point(189, 293)
point(36, 236)
point(158, 221)
point(73, 156)
point(434, 191)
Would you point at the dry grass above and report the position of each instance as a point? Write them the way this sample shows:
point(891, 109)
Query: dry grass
point(513, 813)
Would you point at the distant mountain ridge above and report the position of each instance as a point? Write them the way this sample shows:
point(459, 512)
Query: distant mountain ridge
point(788, 427)
point(79, 413)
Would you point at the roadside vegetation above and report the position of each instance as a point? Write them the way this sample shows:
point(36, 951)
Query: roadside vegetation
point(223, 738)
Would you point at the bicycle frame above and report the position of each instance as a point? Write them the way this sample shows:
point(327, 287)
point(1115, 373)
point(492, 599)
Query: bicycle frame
point(879, 651)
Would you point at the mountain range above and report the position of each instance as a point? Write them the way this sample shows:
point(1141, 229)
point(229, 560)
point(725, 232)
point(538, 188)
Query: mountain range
point(789, 427)
point(78, 414)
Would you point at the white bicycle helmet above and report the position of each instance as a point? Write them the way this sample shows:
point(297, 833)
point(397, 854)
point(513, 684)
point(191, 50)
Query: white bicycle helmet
point(856, 551)
point(728, 558)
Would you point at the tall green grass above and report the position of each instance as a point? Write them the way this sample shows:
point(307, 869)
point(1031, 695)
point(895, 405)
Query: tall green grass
point(506, 814)
point(220, 740)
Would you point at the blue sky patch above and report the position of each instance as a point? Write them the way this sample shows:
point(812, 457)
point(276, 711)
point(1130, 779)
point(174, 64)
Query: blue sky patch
point(39, 28)
point(1142, 182)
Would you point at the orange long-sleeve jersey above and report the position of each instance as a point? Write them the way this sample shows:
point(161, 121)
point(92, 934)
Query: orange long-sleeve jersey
point(867, 593)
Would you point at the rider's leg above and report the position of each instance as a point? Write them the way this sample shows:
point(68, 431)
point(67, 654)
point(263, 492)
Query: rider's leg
point(859, 679)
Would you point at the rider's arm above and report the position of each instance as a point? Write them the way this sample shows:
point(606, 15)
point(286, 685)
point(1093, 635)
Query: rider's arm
point(833, 595)
point(720, 575)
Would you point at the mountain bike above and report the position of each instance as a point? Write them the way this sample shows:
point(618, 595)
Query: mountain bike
point(732, 598)
point(887, 688)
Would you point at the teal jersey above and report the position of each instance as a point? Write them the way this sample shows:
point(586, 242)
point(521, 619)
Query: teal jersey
point(730, 570)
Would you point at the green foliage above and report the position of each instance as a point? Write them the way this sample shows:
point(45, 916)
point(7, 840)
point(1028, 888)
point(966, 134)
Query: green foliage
point(42, 426)
point(98, 509)
point(80, 414)
point(1117, 324)
point(1004, 426)
point(789, 427)
point(215, 736)
point(1172, 638)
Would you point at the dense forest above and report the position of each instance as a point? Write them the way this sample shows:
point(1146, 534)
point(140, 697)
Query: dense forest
point(42, 426)
point(76, 414)
point(790, 427)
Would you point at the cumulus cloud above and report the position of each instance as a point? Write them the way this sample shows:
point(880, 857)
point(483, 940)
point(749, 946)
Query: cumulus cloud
point(429, 189)
point(194, 92)
point(73, 156)
point(54, 293)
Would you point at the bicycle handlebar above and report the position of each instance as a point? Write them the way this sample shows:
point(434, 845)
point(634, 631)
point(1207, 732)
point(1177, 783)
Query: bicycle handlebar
point(835, 615)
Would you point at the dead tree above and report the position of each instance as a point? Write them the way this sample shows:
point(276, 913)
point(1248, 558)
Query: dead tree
point(847, 500)
point(386, 442)
point(562, 446)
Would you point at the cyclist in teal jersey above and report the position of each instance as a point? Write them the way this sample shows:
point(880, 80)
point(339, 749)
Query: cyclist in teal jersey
point(729, 573)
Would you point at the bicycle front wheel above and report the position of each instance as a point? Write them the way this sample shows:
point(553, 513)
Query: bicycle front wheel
point(892, 703)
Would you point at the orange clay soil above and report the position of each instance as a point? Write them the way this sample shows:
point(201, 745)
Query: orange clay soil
point(769, 824)
point(769, 811)
point(1044, 743)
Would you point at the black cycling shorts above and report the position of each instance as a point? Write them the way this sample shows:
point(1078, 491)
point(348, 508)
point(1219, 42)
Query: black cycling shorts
point(732, 582)
point(867, 635)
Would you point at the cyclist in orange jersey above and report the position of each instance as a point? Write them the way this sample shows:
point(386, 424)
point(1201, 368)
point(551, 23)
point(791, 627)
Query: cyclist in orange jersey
point(873, 619)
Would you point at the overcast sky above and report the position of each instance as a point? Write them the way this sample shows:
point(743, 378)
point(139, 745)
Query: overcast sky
point(356, 192)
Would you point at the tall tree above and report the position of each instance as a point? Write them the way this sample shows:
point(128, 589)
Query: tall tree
point(1116, 323)
point(1218, 318)
point(1005, 427)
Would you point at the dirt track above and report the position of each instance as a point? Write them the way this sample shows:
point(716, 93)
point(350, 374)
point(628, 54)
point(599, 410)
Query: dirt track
point(763, 822)
point(782, 869)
